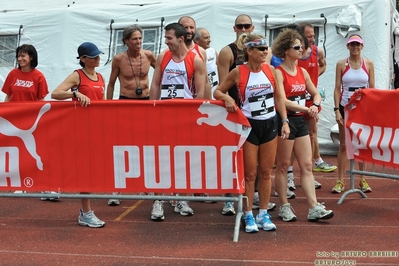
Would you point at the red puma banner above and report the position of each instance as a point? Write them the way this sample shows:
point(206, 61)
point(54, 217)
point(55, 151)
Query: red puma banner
point(122, 146)
point(372, 126)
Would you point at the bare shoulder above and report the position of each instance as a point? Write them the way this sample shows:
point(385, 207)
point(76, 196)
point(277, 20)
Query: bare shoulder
point(148, 53)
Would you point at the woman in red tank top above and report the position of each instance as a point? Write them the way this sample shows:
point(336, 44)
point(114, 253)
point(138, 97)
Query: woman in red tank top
point(296, 81)
point(84, 85)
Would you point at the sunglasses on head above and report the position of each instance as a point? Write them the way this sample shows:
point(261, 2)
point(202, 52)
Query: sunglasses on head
point(246, 26)
point(261, 48)
point(297, 47)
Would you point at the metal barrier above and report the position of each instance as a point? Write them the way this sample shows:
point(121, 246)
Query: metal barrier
point(237, 199)
point(393, 174)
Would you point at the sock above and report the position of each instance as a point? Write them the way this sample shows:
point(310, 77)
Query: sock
point(319, 161)
point(248, 213)
point(290, 168)
point(262, 211)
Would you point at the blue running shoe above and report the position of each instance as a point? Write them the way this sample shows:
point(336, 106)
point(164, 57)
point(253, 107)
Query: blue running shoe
point(250, 226)
point(265, 222)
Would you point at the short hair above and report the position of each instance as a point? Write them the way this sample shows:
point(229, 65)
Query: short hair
point(31, 51)
point(183, 17)
point(304, 41)
point(244, 38)
point(178, 28)
point(301, 27)
point(242, 15)
point(198, 33)
point(284, 41)
point(127, 32)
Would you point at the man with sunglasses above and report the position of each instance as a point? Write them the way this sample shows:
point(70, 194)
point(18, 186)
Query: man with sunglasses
point(314, 61)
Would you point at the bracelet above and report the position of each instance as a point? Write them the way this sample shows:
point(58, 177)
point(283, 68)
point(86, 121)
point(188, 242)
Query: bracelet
point(74, 94)
point(316, 104)
point(285, 120)
point(336, 109)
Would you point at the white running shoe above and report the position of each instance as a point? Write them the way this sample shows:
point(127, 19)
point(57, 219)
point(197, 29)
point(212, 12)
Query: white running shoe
point(290, 181)
point(114, 202)
point(286, 213)
point(290, 194)
point(157, 211)
point(183, 208)
point(228, 209)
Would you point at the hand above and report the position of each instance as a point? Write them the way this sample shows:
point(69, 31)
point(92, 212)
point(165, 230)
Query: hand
point(285, 131)
point(230, 105)
point(83, 99)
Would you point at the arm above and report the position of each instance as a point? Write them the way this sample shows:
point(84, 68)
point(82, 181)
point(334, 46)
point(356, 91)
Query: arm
point(63, 91)
point(279, 99)
point(337, 89)
point(155, 90)
point(152, 59)
point(322, 61)
point(201, 79)
point(225, 60)
point(370, 67)
point(207, 94)
point(313, 110)
point(220, 92)
point(113, 76)
point(7, 99)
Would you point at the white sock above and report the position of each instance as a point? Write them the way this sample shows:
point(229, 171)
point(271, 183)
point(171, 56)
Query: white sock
point(290, 168)
point(319, 161)
point(248, 213)
point(262, 211)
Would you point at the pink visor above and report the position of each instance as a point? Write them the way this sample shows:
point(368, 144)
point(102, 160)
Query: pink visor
point(355, 38)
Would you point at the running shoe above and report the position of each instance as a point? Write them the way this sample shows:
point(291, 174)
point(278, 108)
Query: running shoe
point(324, 167)
point(339, 187)
point(183, 208)
point(49, 193)
point(290, 194)
point(286, 213)
point(114, 202)
point(157, 211)
point(228, 209)
point(265, 222)
point(255, 205)
point(317, 185)
point(89, 219)
point(250, 226)
point(290, 181)
point(319, 212)
point(363, 186)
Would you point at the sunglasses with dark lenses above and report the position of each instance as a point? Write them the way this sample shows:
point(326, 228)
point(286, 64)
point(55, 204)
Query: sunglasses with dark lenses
point(261, 48)
point(297, 47)
point(246, 26)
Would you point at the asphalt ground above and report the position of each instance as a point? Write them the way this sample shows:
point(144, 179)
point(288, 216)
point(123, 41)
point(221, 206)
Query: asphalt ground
point(363, 231)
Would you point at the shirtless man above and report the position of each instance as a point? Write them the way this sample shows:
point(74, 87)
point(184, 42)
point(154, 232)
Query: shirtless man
point(131, 67)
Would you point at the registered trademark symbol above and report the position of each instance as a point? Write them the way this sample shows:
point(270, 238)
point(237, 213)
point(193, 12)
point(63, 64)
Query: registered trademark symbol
point(28, 181)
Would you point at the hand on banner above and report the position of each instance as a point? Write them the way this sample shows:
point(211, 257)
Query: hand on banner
point(83, 99)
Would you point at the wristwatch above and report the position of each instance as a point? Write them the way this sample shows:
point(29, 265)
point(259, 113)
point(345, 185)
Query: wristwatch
point(285, 120)
point(316, 104)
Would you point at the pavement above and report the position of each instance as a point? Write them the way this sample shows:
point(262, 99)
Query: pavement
point(363, 231)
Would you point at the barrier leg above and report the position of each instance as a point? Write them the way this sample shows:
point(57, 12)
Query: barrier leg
point(352, 184)
point(238, 219)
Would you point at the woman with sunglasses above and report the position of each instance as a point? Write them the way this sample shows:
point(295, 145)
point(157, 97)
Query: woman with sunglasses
point(296, 81)
point(261, 97)
point(352, 73)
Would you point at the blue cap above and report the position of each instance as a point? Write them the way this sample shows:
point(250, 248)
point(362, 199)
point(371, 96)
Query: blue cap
point(88, 49)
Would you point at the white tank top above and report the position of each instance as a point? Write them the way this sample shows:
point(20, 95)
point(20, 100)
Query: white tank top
point(212, 68)
point(352, 80)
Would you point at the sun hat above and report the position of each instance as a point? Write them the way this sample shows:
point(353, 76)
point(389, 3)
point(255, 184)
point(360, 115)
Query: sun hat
point(88, 49)
point(355, 38)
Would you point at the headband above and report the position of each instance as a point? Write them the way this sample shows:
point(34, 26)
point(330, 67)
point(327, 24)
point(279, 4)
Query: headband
point(256, 42)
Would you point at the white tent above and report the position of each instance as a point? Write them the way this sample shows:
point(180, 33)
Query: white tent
point(56, 28)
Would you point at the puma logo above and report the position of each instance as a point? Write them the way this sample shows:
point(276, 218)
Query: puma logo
point(8, 129)
point(217, 116)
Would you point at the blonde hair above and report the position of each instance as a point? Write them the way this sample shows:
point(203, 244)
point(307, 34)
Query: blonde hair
point(244, 38)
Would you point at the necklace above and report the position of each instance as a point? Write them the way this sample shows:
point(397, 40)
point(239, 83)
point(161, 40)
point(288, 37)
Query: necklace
point(139, 90)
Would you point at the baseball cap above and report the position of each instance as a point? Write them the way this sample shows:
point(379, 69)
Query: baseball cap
point(88, 49)
point(355, 38)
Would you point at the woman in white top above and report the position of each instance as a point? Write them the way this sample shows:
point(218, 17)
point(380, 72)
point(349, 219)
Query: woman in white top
point(352, 73)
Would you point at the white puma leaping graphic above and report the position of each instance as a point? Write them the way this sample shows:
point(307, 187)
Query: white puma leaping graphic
point(8, 129)
point(217, 116)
